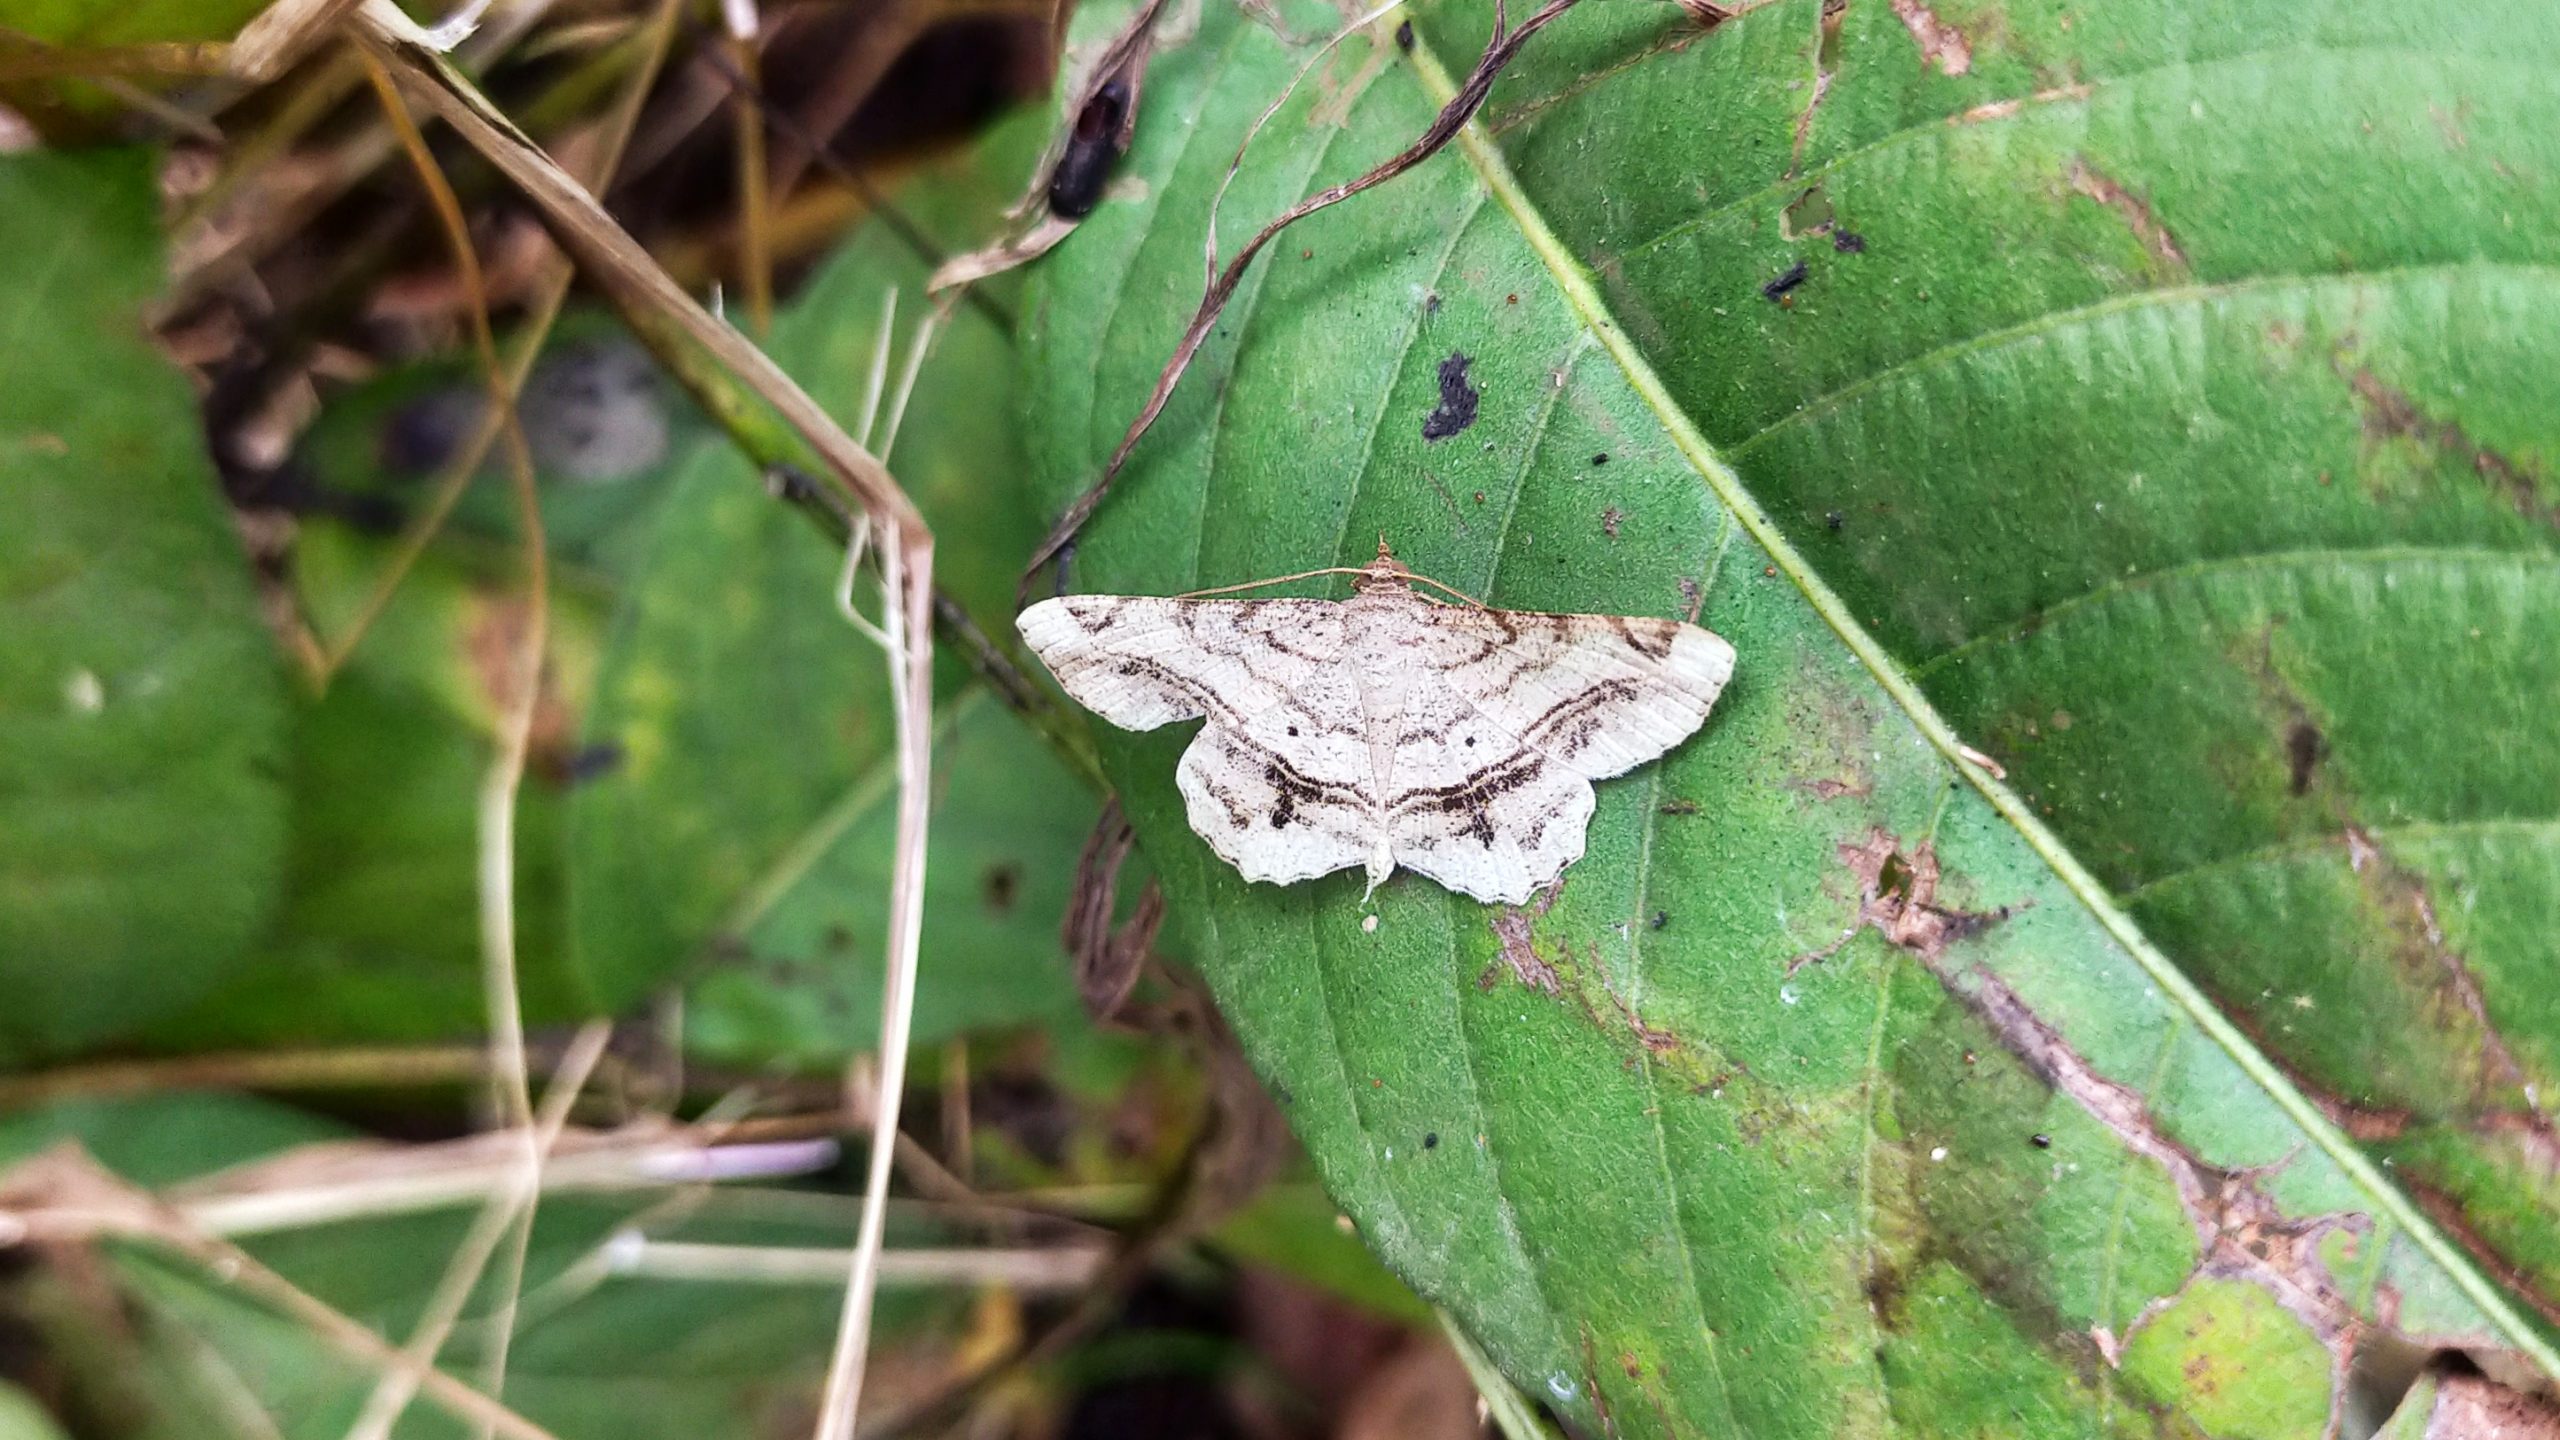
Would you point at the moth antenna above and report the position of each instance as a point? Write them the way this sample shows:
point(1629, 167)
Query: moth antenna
point(1471, 601)
point(1384, 555)
point(1274, 580)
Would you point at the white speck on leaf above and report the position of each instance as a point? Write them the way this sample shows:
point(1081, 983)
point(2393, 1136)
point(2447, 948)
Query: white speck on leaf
point(85, 692)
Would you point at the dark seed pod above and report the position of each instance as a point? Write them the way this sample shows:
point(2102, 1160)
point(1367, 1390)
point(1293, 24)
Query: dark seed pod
point(1093, 148)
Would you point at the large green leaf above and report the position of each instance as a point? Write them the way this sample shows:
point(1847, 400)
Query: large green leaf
point(140, 701)
point(753, 795)
point(381, 889)
point(1834, 1092)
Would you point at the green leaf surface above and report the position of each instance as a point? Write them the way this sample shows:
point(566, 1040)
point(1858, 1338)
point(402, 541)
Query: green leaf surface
point(1009, 818)
point(381, 891)
point(1294, 1229)
point(1834, 1092)
point(23, 1418)
point(141, 707)
point(754, 795)
point(164, 1139)
point(128, 22)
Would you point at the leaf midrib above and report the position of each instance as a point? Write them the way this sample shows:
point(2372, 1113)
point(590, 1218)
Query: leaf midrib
point(1575, 287)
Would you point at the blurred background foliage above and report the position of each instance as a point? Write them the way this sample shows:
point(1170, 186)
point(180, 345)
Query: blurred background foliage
point(243, 739)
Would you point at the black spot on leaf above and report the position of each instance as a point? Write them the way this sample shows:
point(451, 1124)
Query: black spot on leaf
point(1794, 277)
point(1000, 885)
point(1457, 408)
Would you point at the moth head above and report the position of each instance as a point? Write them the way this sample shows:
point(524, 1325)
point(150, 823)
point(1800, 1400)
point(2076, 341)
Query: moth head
point(1383, 573)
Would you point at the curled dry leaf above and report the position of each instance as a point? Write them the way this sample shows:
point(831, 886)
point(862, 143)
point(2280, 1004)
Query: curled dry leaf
point(1108, 959)
point(1100, 126)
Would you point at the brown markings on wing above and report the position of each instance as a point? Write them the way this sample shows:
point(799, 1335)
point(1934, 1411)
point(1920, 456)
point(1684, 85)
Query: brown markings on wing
point(1574, 718)
point(1096, 618)
point(1632, 632)
point(1209, 701)
point(1292, 785)
point(1473, 795)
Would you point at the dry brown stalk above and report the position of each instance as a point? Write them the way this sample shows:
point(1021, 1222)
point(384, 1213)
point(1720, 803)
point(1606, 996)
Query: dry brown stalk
point(669, 320)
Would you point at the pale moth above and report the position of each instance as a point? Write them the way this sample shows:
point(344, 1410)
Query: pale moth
point(1387, 729)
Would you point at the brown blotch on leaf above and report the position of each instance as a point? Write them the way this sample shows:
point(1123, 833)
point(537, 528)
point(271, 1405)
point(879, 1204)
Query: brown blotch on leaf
point(1898, 895)
point(1884, 1287)
point(2091, 183)
point(1512, 926)
point(1829, 788)
point(1941, 44)
point(2304, 747)
point(2476, 1405)
point(2406, 903)
point(2242, 1231)
point(2391, 413)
